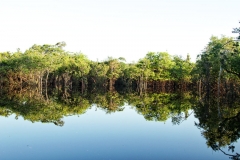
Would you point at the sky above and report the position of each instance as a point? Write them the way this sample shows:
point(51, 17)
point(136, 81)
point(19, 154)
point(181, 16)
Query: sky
point(117, 28)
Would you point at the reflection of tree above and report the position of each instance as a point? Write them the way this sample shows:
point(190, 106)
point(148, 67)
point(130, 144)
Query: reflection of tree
point(160, 107)
point(219, 131)
point(110, 101)
point(32, 106)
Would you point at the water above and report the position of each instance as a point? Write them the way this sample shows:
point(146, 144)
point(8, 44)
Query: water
point(153, 130)
point(97, 135)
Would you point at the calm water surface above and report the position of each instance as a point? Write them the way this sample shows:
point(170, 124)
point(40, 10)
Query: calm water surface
point(100, 135)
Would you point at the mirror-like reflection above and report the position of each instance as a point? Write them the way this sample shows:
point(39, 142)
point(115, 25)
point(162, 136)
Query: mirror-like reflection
point(218, 118)
point(34, 106)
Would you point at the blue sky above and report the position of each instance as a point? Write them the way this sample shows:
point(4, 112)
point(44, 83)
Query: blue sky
point(117, 28)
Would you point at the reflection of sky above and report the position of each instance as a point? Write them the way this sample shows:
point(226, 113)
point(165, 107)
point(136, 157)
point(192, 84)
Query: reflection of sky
point(97, 135)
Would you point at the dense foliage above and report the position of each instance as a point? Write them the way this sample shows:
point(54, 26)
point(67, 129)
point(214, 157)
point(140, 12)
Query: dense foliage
point(33, 106)
point(219, 122)
point(51, 65)
point(220, 58)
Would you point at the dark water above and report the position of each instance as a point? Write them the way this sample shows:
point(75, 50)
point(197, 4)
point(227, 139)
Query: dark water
point(114, 126)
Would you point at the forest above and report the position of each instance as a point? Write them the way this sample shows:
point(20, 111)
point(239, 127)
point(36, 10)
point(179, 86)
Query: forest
point(50, 66)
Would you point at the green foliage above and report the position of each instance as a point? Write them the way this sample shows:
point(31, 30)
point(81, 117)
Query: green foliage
point(144, 69)
point(114, 70)
point(160, 107)
point(219, 121)
point(35, 108)
point(51, 64)
point(221, 57)
point(98, 73)
point(220, 53)
point(160, 64)
point(181, 70)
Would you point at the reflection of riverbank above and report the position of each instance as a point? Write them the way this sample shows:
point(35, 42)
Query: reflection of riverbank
point(51, 108)
point(219, 122)
point(219, 131)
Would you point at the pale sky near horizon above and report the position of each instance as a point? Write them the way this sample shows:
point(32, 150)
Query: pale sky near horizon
point(117, 28)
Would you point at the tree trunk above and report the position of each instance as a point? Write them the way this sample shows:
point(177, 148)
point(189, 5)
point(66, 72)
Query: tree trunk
point(46, 85)
point(82, 85)
point(110, 84)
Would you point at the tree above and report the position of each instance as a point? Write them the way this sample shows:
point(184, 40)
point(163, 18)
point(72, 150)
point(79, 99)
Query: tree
point(114, 70)
point(98, 73)
point(145, 73)
point(80, 66)
point(181, 70)
point(220, 59)
point(160, 64)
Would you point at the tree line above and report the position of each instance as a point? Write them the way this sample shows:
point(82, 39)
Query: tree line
point(50, 65)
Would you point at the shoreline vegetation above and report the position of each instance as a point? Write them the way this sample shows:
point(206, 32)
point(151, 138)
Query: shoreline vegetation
point(50, 66)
